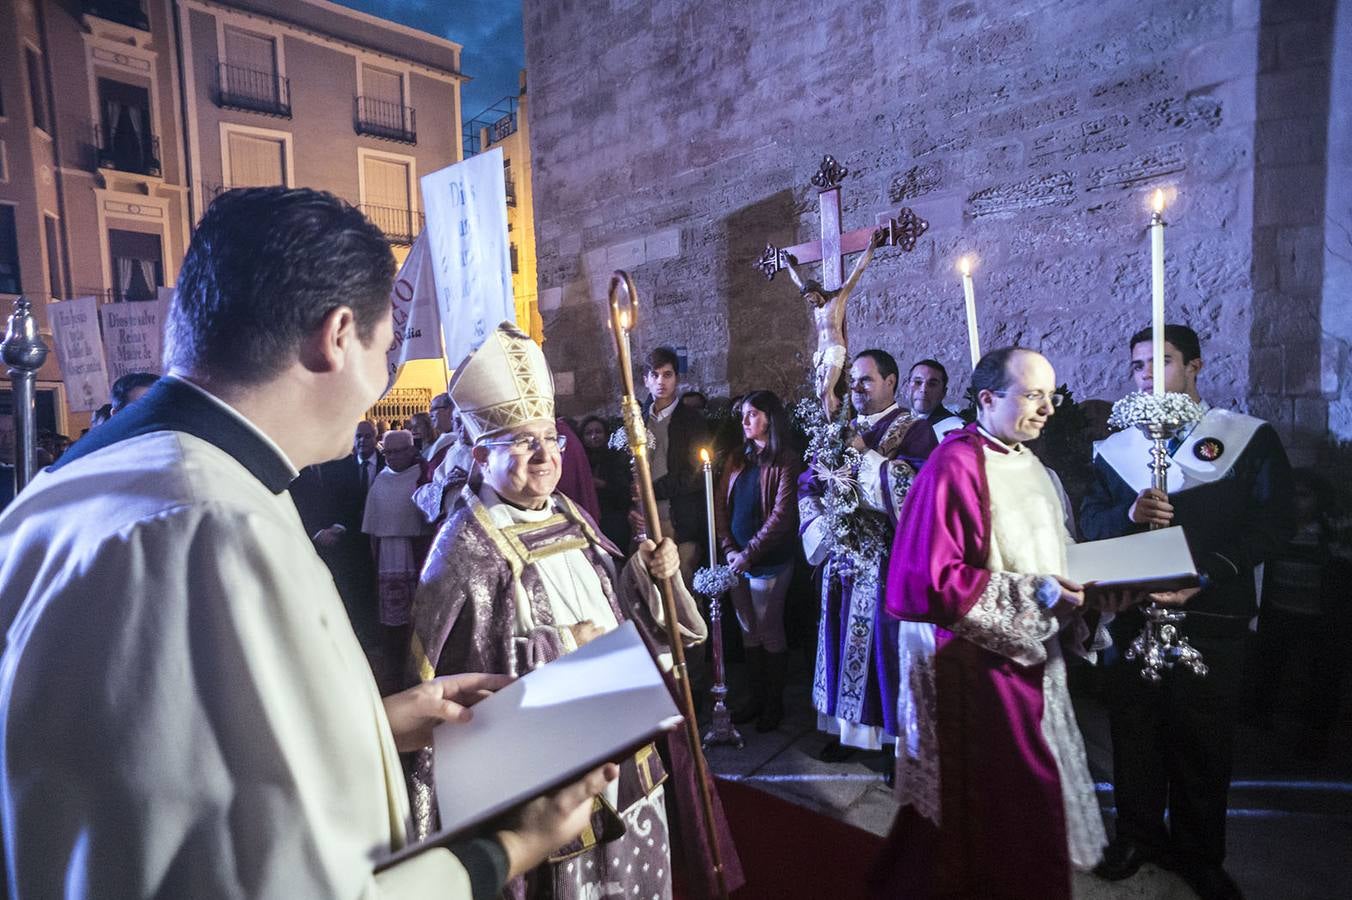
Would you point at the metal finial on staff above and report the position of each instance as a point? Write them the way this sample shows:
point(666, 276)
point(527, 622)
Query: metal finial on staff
point(24, 353)
point(622, 320)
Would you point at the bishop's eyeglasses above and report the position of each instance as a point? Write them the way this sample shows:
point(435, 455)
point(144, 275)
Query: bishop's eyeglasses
point(1039, 399)
point(529, 444)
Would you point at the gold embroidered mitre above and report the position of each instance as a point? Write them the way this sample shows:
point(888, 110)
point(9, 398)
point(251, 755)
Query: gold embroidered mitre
point(503, 383)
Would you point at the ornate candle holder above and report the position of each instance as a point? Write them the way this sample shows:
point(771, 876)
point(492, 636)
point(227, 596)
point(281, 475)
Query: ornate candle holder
point(24, 352)
point(1160, 645)
point(713, 583)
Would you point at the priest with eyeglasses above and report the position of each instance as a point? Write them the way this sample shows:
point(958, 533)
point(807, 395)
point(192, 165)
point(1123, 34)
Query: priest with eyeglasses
point(996, 797)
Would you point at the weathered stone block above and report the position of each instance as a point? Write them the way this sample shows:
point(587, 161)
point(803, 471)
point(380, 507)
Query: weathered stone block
point(1284, 93)
point(1300, 261)
point(1288, 195)
point(1052, 189)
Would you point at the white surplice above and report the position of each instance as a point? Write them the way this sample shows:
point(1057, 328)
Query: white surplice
point(184, 708)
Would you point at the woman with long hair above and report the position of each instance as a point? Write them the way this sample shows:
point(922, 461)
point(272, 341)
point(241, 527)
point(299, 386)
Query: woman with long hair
point(610, 472)
point(756, 511)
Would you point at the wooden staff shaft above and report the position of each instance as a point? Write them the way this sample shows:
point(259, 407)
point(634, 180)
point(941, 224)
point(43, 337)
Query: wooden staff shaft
point(638, 444)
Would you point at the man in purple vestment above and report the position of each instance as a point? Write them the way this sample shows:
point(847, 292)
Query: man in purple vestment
point(996, 796)
point(855, 677)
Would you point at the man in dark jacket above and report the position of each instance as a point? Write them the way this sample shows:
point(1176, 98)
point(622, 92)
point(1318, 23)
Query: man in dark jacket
point(1230, 489)
point(678, 434)
point(331, 498)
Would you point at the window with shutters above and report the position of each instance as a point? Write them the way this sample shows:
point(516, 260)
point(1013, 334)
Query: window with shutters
point(386, 199)
point(381, 109)
point(255, 160)
point(249, 77)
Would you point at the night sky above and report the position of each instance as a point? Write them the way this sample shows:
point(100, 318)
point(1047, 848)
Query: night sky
point(489, 30)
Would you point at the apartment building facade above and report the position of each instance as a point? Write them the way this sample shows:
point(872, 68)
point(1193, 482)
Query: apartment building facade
point(506, 124)
point(120, 121)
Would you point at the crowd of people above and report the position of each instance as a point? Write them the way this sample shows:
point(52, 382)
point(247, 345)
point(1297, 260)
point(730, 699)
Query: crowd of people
point(274, 631)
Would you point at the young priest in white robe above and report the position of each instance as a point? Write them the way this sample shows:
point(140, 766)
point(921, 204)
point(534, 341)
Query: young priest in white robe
point(184, 708)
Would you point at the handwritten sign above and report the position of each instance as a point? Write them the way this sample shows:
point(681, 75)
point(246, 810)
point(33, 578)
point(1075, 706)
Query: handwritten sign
point(75, 330)
point(466, 207)
point(133, 336)
point(417, 325)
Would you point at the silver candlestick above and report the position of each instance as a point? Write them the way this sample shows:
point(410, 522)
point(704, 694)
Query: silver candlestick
point(721, 730)
point(24, 353)
point(1161, 645)
point(714, 583)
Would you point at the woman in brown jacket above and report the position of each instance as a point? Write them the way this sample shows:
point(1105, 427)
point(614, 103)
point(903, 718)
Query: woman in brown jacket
point(756, 511)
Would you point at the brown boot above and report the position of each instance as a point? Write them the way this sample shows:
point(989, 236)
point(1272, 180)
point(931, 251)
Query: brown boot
point(755, 674)
point(776, 672)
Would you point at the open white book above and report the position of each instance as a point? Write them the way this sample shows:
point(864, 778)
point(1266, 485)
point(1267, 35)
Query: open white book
point(547, 728)
point(1148, 561)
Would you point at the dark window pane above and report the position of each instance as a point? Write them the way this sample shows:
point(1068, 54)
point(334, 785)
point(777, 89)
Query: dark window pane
point(37, 93)
point(56, 284)
point(9, 253)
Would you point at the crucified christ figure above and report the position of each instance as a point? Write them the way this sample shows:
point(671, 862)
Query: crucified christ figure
point(828, 317)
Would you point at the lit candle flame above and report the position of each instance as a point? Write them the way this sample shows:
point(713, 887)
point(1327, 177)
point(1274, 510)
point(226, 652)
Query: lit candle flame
point(1158, 201)
point(704, 456)
point(965, 265)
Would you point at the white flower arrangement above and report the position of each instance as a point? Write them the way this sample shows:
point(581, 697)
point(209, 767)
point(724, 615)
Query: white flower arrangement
point(619, 440)
point(1144, 409)
point(859, 537)
point(715, 581)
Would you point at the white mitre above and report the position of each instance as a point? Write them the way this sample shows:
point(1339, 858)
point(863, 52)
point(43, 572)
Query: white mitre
point(502, 384)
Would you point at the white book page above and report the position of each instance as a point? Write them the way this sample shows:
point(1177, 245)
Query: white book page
point(550, 726)
point(1149, 556)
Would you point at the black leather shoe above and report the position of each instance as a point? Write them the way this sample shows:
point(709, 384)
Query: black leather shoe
point(1211, 882)
point(835, 752)
point(1121, 860)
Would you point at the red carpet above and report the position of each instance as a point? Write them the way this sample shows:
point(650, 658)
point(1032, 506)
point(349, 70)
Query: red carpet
point(790, 851)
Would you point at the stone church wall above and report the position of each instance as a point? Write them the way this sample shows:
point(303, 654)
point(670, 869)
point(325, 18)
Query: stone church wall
point(674, 139)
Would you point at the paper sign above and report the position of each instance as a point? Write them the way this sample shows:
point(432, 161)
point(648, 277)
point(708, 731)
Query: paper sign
point(466, 207)
point(133, 336)
point(75, 330)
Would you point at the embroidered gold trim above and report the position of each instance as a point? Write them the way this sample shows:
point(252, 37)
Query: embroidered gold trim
point(426, 671)
point(511, 534)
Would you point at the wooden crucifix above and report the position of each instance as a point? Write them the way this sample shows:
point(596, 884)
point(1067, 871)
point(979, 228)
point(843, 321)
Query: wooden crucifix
point(828, 298)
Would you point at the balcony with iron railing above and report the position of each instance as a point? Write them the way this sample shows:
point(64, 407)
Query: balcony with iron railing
point(253, 90)
point(124, 12)
point(385, 119)
point(401, 226)
point(511, 192)
point(123, 150)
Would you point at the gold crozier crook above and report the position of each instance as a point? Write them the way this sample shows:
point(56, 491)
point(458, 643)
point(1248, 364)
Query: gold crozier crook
point(622, 320)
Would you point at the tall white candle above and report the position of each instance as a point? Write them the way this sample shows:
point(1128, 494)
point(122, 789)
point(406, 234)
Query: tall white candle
point(709, 503)
point(1157, 295)
point(969, 294)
